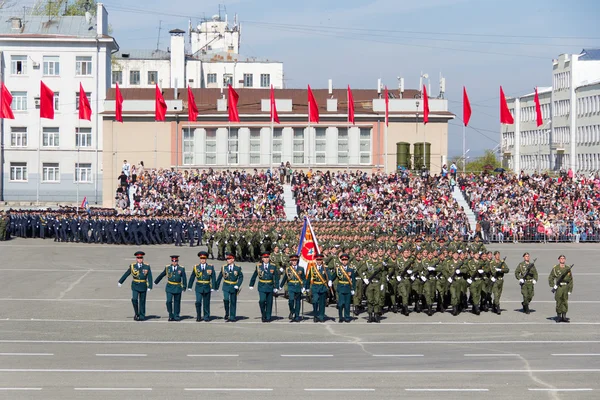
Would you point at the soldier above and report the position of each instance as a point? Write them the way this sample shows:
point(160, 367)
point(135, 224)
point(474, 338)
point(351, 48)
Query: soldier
point(453, 272)
point(209, 245)
point(428, 277)
point(295, 278)
point(141, 283)
point(232, 277)
point(205, 278)
point(318, 281)
point(403, 275)
point(346, 279)
point(497, 269)
point(372, 273)
point(474, 275)
point(561, 282)
point(176, 283)
point(268, 284)
point(527, 275)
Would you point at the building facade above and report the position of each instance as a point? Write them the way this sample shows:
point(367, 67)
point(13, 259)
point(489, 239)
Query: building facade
point(570, 134)
point(56, 160)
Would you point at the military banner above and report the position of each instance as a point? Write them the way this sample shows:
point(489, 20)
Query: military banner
point(308, 246)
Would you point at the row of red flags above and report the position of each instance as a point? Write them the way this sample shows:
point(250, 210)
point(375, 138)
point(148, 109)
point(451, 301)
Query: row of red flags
point(160, 108)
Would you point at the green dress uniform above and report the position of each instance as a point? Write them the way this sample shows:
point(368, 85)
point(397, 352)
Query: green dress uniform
point(474, 275)
point(428, 277)
point(404, 276)
point(318, 280)
point(497, 270)
point(232, 277)
point(442, 286)
point(373, 275)
point(206, 282)
point(295, 279)
point(527, 283)
point(562, 290)
point(454, 272)
point(417, 284)
point(268, 284)
point(176, 284)
point(345, 276)
point(141, 283)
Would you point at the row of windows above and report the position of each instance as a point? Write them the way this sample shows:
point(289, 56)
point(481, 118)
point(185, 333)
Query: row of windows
point(135, 77)
point(50, 172)
point(21, 101)
point(588, 162)
point(19, 65)
point(562, 135)
point(265, 80)
point(529, 114)
point(562, 80)
point(589, 105)
point(562, 108)
point(50, 137)
point(589, 134)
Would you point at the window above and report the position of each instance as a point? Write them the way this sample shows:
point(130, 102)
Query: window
point(51, 65)
point(211, 78)
point(255, 146)
point(18, 136)
point(152, 77)
point(298, 147)
point(232, 147)
point(227, 80)
point(50, 137)
point(248, 78)
point(320, 145)
point(18, 172)
point(188, 147)
point(19, 102)
point(277, 145)
point(83, 65)
point(265, 80)
point(342, 148)
point(87, 94)
point(83, 173)
point(117, 77)
point(50, 172)
point(56, 101)
point(365, 146)
point(18, 65)
point(83, 137)
point(211, 146)
point(134, 77)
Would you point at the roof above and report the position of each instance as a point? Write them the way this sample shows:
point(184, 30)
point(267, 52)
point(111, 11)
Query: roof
point(590, 55)
point(143, 55)
point(541, 90)
point(588, 84)
point(223, 56)
point(36, 26)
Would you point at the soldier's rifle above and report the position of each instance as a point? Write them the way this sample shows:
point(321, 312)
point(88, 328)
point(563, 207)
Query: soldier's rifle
point(495, 273)
point(454, 273)
point(528, 271)
point(562, 277)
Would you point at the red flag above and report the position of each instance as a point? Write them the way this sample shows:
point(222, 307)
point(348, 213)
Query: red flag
point(505, 115)
point(232, 103)
point(387, 107)
point(160, 107)
point(538, 109)
point(313, 107)
point(350, 106)
point(85, 111)
point(46, 102)
point(466, 107)
point(118, 104)
point(308, 247)
point(425, 106)
point(274, 116)
point(5, 110)
point(192, 107)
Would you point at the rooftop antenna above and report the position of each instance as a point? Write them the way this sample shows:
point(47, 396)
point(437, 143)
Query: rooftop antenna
point(442, 86)
point(159, 29)
point(190, 31)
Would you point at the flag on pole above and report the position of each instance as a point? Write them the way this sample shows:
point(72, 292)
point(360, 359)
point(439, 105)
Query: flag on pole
point(232, 105)
point(538, 109)
point(5, 110)
point(350, 106)
point(118, 105)
point(466, 107)
point(192, 107)
point(505, 115)
point(85, 205)
point(308, 247)
point(85, 111)
point(46, 102)
point(274, 115)
point(160, 106)
point(425, 106)
point(313, 107)
point(387, 107)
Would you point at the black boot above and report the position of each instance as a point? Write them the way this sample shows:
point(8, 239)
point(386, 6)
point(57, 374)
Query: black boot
point(558, 318)
point(291, 316)
point(198, 313)
point(455, 310)
point(476, 310)
point(370, 318)
point(418, 306)
point(394, 308)
point(526, 308)
point(356, 310)
point(498, 309)
point(565, 319)
point(430, 310)
point(376, 317)
point(136, 316)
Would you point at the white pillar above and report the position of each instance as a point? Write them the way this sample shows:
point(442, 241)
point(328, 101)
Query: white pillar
point(573, 116)
point(517, 159)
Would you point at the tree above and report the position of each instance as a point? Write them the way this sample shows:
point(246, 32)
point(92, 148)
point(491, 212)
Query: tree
point(59, 8)
point(487, 162)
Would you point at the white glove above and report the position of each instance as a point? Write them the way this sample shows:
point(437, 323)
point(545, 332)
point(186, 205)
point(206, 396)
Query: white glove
point(366, 281)
point(423, 279)
point(450, 280)
point(212, 290)
point(412, 278)
point(280, 269)
point(398, 278)
point(352, 292)
point(534, 281)
point(430, 269)
point(493, 279)
point(119, 284)
point(149, 289)
point(409, 271)
point(469, 281)
point(381, 287)
point(480, 271)
point(569, 293)
point(555, 287)
point(330, 283)
point(387, 278)
point(236, 287)
point(236, 243)
point(521, 280)
point(498, 269)
point(275, 291)
point(457, 272)
point(303, 290)
point(251, 287)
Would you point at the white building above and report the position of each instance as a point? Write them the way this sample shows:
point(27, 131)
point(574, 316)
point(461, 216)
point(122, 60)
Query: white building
point(54, 160)
point(570, 134)
point(212, 61)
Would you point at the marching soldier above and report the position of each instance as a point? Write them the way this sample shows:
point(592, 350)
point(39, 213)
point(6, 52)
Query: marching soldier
point(403, 275)
point(205, 278)
point(372, 273)
point(176, 283)
point(454, 271)
point(318, 281)
point(209, 245)
point(346, 279)
point(232, 277)
point(141, 283)
point(474, 274)
point(497, 269)
point(561, 282)
point(268, 284)
point(295, 278)
point(428, 276)
point(527, 275)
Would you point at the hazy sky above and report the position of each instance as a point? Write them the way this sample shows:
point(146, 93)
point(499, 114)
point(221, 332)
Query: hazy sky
point(480, 44)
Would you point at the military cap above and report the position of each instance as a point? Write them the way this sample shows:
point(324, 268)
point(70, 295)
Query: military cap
point(175, 257)
point(203, 254)
point(229, 255)
point(457, 251)
point(344, 257)
point(525, 254)
point(294, 257)
point(319, 256)
point(139, 254)
point(265, 255)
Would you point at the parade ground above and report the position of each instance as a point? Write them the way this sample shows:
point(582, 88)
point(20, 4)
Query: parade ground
point(67, 332)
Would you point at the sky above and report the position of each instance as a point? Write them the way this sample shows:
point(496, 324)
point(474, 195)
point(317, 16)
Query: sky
point(480, 44)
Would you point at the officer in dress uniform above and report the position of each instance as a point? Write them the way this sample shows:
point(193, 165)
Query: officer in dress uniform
point(141, 283)
point(176, 284)
point(232, 277)
point(295, 278)
point(346, 279)
point(318, 281)
point(268, 284)
point(206, 282)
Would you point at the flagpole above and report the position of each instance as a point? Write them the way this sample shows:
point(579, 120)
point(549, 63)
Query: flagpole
point(155, 149)
point(308, 134)
point(39, 162)
point(271, 143)
point(385, 146)
point(228, 138)
point(464, 149)
point(78, 163)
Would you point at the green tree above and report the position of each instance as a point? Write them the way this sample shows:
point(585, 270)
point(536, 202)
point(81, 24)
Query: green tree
point(59, 8)
point(487, 162)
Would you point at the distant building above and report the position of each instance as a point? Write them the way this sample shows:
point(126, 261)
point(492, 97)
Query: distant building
point(570, 134)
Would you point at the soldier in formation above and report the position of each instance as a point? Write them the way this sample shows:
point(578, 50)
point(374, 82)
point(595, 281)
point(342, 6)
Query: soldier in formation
point(561, 282)
point(176, 284)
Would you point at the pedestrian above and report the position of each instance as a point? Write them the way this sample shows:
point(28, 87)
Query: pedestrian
point(232, 277)
point(561, 282)
point(268, 284)
point(527, 275)
point(141, 284)
point(205, 278)
point(176, 284)
point(295, 278)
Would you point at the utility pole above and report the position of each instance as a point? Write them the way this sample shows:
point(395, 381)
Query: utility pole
point(158, 39)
